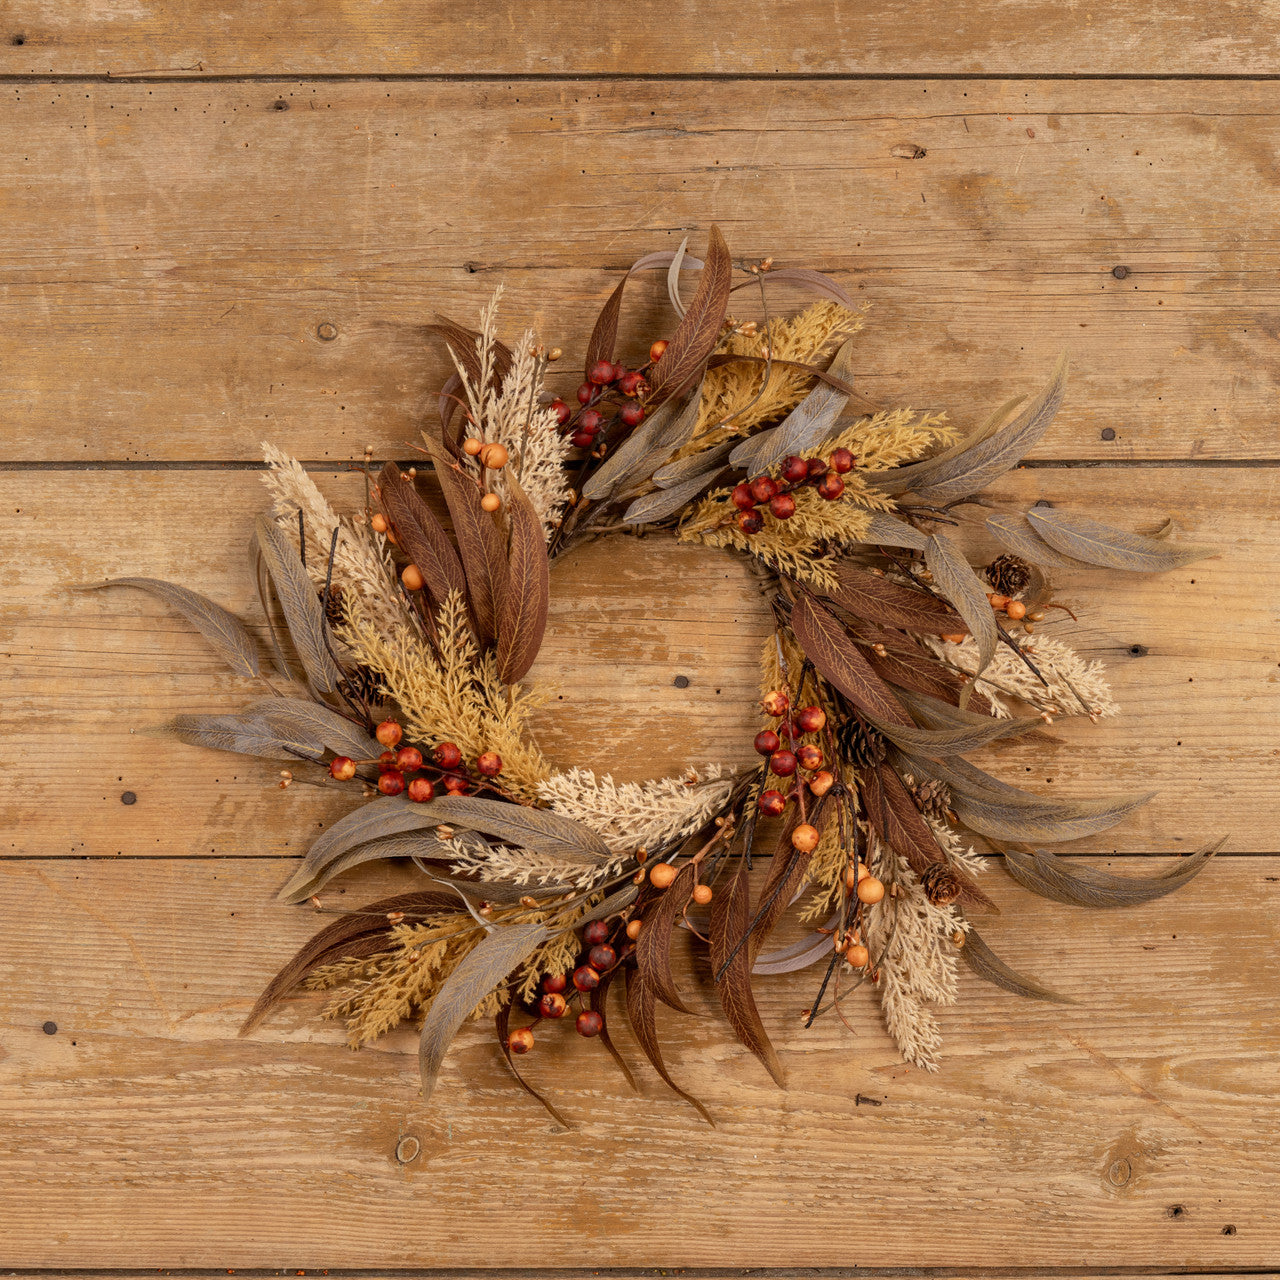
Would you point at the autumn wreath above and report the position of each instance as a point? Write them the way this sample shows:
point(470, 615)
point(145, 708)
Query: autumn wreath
point(400, 649)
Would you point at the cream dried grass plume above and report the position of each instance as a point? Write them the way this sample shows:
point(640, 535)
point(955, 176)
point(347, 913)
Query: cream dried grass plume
point(452, 694)
point(522, 867)
point(362, 562)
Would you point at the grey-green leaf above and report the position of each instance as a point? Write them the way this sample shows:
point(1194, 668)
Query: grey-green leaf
point(302, 717)
point(664, 502)
point(805, 427)
point(958, 475)
point(1050, 822)
point(301, 604)
point(990, 968)
point(953, 576)
point(244, 735)
point(1086, 539)
point(682, 469)
point(221, 628)
point(1081, 885)
point(484, 968)
point(888, 531)
point(664, 431)
point(940, 743)
point(522, 826)
point(1014, 533)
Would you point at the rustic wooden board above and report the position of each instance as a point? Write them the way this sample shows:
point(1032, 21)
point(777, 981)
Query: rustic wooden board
point(1139, 1124)
point(171, 252)
point(712, 37)
point(88, 677)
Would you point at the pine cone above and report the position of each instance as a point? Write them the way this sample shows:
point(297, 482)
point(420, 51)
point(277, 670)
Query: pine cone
point(363, 684)
point(335, 611)
point(941, 885)
point(1008, 574)
point(861, 746)
point(933, 798)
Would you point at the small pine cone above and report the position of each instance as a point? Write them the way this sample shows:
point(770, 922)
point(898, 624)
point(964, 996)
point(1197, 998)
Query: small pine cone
point(861, 746)
point(1008, 574)
point(364, 685)
point(335, 610)
point(941, 885)
point(933, 798)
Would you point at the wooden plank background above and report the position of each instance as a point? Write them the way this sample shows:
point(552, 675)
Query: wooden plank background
point(191, 191)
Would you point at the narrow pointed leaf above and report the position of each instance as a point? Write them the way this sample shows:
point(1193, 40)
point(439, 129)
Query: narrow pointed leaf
point(664, 431)
point(673, 278)
point(1081, 885)
point(837, 658)
point(642, 1012)
point(888, 531)
point(1085, 539)
point(990, 968)
point(501, 1027)
point(604, 334)
point(221, 628)
point(599, 1000)
point(301, 605)
point(954, 577)
point(245, 736)
point(1050, 823)
point(539, 829)
point(666, 502)
point(522, 611)
point(481, 970)
point(421, 536)
point(916, 673)
point(682, 469)
point(303, 717)
point(892, 604)
point(934, 744)
point(1014, 533)
point(653, 947)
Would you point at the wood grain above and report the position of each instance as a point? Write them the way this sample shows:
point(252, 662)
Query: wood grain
point(182, 246)
point(1140, 1123)
point(710, 37)
point(89, 678)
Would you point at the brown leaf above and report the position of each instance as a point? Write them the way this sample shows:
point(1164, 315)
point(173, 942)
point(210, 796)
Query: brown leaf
point(420, 534)
point(1085, 539)
point(463, 342)
point(730, 910)
point(697, 333)
point(892, 604)
point(935, 744)
point(501, 1025)
point(605, 333)
point(522, 607)
point(653, 947)
point(990, 968)
point(484, 558)
point(917, 673)
point(828, 647)
point(599, 999)
point(350, 934)
point(1080, 885)
point(642, 1010)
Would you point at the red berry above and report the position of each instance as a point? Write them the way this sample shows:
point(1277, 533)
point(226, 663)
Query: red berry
point(591, 421)
point(619, 371)
point(656, 351)
point(766, 742)
point(456, 786)
point(586, 393)
point(408, 759)
point(816, 466)
point(386, 761)
point(794, 469)
point(602, 957)
point(520, 1041)
point(763, 488)
point(742, 497)
point(776, 702)
point(555, 982)
point(810, 719)
point(388, 733)
point(552, 1005)
point(632, 413)
point(342, 768)
point(631, 383)
point(772, 803)
point(585, 978)
point(830, 486)
point(489, 765)
point(600, 373)
point(809, 756)
point(750, 521)
point(595, 933)
point(842, 460)
point(589, 1023)
point(783, 506)
point(562, 411)
point(391, 783)
point(783, 763)
point(447, 755)
point(582, 439)
point(421, 790)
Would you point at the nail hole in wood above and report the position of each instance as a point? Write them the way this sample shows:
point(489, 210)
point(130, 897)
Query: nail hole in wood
point(1120, 272)
point(18, 40)
point(1108, 433)
point(128, 797)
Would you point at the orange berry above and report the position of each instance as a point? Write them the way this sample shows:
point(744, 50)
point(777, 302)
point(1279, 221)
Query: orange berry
point(1016, 610)
point(388, 733)
point(776, 703)
point(702, 894)
point(870, 890)
point(379, 522)
point(472, 446)
point(412, 577)
point(662, 875)
point(656, 351)
point(342, 768)
point(520, 1041)
point(633, 929)
point(490, 502)
point(805, 838)
point(955, 639)
point(856, 954)
point(998, 601)
point(822, 782)
point(494, 456)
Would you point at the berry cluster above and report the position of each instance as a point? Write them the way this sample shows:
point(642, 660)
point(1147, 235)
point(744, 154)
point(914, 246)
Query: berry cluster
point(559, 990)
point(610, 393)
point(397, 761)
point(751, 497)
point(1014, 610)
point(803, 761)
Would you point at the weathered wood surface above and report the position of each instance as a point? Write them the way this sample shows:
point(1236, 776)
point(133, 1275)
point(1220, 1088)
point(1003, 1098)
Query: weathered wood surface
point(677, 37)
point(182, 246)
point(1201, 707)
point(1138, 1124)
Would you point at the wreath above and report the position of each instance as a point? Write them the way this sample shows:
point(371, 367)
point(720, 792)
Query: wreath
point(399, 652)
